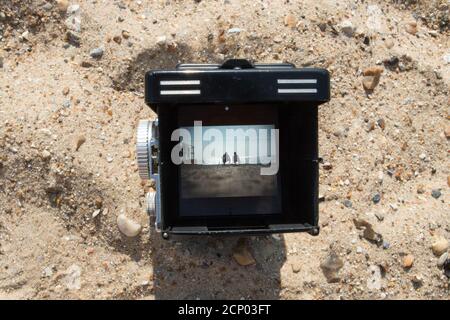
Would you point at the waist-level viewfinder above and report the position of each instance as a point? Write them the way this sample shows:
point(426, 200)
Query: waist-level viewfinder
point(234, 149)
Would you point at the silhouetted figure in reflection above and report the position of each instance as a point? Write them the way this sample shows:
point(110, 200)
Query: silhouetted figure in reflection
point(226, 158)
point(235, 158)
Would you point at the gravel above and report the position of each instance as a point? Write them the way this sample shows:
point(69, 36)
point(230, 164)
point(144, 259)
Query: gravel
point(96, 53)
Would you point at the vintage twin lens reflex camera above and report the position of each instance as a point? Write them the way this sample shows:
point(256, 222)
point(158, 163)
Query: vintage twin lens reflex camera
point(234, 149)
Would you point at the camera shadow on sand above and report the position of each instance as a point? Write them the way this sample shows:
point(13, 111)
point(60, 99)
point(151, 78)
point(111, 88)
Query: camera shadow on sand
point(203, 267)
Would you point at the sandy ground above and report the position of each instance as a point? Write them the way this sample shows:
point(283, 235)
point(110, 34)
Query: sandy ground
point(67, 137)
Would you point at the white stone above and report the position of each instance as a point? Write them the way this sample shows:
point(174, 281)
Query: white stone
point(347, 28)
point(46, 155)
point(380, 176)
point(72, 279)
point(73, 9)
point(161, 40)
point(73, 20)
point(25, 35)
point(446, 58)
point(96, 213)
point(439, 246)
point(127, 226)
point(47, 272)
point(374, 279)
point(234, 31)
point(375, 20)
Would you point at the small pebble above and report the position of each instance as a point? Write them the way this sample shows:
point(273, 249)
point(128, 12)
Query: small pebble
point(370, 82)
point(125, 34)
point(408, 261)
point(442, 259)
point(73, 38)
point(411, 27)
point(393, 206)
point(347, 28)
point(371, 77)
point(373, 71)
point(98, 202)
point(161, 40)
point(331, 266)
point(374, 280)
point(295, 267)
point(127, 226)
point(447, 268)
point(277, 237)
point(242, 255)
point(86, 64)
point(376, 198)
point(24, 36)
point(47, 7)
point(46, 155)
point(290, 21)
point(420, 189)
point(73, 21)
point(80, 141)
point(439, 246)
point(446, 58)
point(72, 277)
point(417, 280)
point(347, 203)
point(96, 213)
point(62, 5)
point(327, 166)
point(380, 176)
point(447, 132)
point(436, 193)
point(234, 31)
point(96, 53)
point(389, 43)
point(66, 91)
point(117, 39)
point(278, 39)
point(47, 272)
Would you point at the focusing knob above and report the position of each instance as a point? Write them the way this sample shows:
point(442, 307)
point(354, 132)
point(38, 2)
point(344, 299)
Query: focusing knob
point(151, 203)
point(144, 136)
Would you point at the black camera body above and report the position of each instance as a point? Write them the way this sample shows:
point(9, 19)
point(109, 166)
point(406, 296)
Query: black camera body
point(247, 160)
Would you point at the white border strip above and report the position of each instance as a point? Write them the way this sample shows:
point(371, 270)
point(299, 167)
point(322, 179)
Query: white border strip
point(297, 90)
point(179, 82)
point(290, 81)
point(178, 92)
